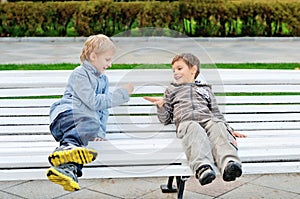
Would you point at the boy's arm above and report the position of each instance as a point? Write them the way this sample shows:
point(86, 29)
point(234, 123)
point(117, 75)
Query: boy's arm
point(83, 89)
point(164, 110)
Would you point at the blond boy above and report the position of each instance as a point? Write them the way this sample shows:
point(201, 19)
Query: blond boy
point(81, 114)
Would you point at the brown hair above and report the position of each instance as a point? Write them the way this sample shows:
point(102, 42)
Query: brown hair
point(96, 43)
point(190, 59)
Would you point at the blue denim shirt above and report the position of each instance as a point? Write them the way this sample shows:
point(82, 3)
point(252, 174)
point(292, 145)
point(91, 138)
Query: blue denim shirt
point(87, 95)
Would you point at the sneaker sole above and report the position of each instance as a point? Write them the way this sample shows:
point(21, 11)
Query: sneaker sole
point(65, 181)
point(77, 155)
point(208, 179)
point(232, 172)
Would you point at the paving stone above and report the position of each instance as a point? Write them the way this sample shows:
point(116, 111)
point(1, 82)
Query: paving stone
point(214, 189)
point(125, 188)
point(285, 182)
point(6, 184)
point(252, 191)
point(87, 194)
point(10, 196)
point(37, 189)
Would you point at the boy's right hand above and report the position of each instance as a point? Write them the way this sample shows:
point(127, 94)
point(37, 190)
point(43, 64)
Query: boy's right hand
point(156, 100)
point(129, 87)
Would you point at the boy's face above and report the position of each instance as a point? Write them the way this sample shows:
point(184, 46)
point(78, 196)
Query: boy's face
point(182, 73)
point(102, 61)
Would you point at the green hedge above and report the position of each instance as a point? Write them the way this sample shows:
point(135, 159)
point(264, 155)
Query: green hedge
point(83, 18)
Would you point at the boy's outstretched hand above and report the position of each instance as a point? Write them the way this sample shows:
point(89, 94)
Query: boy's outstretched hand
point(155, 100)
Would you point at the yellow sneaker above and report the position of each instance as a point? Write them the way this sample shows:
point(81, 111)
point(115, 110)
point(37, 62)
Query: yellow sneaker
point(64, 175)
point(72, 153)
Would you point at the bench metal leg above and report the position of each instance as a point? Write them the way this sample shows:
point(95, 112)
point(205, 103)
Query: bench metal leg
point(181, 185)
point(170, 188)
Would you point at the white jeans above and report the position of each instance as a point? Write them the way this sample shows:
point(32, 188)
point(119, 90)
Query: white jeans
point(210, 145)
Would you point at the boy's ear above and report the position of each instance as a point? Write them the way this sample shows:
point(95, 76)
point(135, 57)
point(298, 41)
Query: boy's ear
point(194, 69)
point(92, 56)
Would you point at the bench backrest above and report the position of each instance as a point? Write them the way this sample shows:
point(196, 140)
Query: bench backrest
point(252, 110)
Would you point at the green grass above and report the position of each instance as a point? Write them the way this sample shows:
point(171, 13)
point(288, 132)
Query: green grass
point(68, 66)
point(257, 94)
point(283, 66)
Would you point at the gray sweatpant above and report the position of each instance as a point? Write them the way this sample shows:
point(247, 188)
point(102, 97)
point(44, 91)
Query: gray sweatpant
point(211, 145)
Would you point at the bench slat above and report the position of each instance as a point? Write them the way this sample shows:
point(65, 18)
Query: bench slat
point(129, 128)
point(293, 117)
point(144, 159)
point(46, 103)
point(155, 151)
point(147, 110)
point(236, 76)
point(266, 126)
point(153, 144)
point(292, 134)
point(224, 109)
point(153, 171)
point(48, 91)
point(103, 172)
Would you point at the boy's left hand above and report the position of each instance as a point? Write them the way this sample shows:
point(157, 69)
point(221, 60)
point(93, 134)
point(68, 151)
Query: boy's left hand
point(239, 135)
point(156, 100)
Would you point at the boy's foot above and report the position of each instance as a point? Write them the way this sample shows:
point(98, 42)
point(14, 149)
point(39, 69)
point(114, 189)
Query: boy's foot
point(64, 175)
point(71, 153)
point(205, 174)
point(232, 171)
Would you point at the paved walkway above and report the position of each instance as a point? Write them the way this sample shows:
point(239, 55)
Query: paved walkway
point(285, 186)
point(154, 50)
point(157, 50)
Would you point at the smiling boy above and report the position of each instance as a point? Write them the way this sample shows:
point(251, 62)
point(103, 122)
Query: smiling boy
point(206, 136)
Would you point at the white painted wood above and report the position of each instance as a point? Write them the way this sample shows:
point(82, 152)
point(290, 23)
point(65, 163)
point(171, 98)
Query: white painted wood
point(150, 119)
point(149, 128)
point(151, 110)
point(58, 91)
point(281, 99)
point(266, 126)
point(25, 92)
point(141, 171)
point(103, 172)
point(11, 103)
point(269, 168)
point(139, 146)
point(236, 76)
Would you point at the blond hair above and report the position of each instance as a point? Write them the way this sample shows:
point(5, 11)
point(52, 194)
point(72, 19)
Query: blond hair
point(190, 60)
point(98, 44)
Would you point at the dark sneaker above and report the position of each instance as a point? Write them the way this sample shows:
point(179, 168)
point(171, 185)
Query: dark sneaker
point(71, 153)
point(64, 175)
point(232, 171)
point(205, 174)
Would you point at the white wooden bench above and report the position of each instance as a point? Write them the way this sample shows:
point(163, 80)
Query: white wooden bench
point(139, 146)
